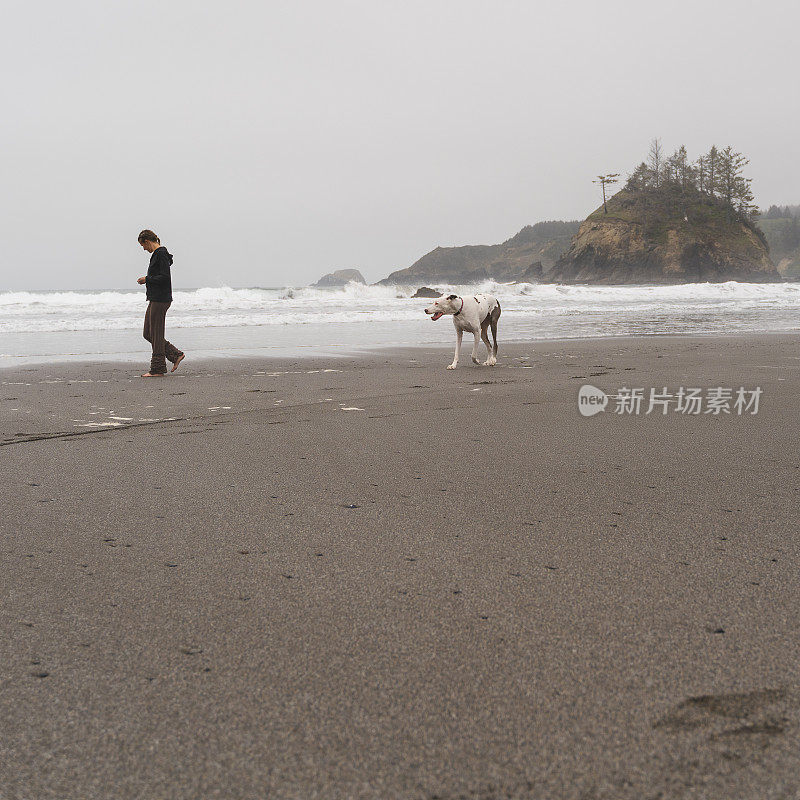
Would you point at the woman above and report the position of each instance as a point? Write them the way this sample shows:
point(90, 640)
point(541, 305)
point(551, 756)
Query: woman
point(159, 295)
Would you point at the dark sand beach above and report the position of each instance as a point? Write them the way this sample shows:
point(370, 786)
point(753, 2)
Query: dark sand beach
point(370, 577)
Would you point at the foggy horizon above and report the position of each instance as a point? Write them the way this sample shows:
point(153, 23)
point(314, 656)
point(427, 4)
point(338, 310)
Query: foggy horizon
point(268, 145)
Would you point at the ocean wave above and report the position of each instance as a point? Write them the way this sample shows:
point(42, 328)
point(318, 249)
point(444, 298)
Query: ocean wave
point(358, 303)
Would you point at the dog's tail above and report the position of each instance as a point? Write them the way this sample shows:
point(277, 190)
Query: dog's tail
point(494, 315)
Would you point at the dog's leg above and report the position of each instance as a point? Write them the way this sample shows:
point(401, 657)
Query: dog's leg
point(475, 348)
point(494, 317)
point(485, 337)
point(459, 334)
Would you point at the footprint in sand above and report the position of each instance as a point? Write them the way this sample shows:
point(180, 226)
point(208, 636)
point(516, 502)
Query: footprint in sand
point(751, 717)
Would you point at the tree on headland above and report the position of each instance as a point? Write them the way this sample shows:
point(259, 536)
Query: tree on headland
point(639, 178)
point(719, 174)
point(603, 180)
point(656, 162)
point(712, 161)
point(734, 188)
point(678, 168)
point(701, 173)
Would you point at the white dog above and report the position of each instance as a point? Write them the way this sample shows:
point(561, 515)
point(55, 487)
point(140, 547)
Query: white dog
point(474, 314)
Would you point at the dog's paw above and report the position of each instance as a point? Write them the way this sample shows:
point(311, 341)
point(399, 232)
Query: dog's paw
point(451, 366)
point(475, 360)
point(490, 362)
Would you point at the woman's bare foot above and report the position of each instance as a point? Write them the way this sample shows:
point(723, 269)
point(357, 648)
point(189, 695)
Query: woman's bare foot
point(180, 358)
point(153, 375)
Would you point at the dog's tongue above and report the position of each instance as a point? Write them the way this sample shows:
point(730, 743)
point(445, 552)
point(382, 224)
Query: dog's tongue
point(436, 316)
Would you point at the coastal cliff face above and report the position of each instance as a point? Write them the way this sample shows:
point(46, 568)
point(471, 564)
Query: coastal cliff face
point(675, 236)
point(534, 245)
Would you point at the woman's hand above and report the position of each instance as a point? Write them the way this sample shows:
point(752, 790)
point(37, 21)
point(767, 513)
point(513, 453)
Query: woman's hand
point(141, 280)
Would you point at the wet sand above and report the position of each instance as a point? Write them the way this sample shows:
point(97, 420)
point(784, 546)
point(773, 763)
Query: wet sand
point(370, 577)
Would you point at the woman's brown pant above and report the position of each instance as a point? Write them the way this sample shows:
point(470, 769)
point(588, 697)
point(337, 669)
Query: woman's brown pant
point(154, 321)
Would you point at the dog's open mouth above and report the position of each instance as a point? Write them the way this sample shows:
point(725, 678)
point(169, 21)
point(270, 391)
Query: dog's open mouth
point(436, 315)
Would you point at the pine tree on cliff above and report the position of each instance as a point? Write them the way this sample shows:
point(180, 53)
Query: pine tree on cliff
point(688, 172)
point(744, 198)
point(679, 169)
point(639, 178)
point(701, 173)
point(733, 186)
point(606, 180)
point(729, 164)
point(656, 162)
point(712, 166)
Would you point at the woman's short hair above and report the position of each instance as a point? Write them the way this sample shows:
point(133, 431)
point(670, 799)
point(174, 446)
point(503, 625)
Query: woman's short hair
point(148, 236)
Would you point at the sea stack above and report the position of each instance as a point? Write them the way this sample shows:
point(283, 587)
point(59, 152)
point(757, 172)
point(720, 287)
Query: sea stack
point(339, 278)
point(670, 234)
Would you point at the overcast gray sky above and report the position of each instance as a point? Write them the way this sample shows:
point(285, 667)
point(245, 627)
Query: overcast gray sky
point(270, 142)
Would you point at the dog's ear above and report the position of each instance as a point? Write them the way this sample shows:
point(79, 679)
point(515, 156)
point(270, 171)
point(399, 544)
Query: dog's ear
point(452, 297)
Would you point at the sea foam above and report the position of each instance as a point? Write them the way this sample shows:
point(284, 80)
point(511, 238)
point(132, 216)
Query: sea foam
point(359, 304)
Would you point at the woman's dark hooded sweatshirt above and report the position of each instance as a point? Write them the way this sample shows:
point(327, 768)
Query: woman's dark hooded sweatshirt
point(159, 279)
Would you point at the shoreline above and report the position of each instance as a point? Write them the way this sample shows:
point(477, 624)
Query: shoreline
point(348, 350)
